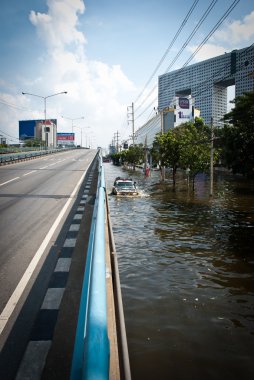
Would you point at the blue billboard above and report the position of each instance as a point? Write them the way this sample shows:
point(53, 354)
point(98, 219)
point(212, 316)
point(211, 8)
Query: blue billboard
point(27, 128)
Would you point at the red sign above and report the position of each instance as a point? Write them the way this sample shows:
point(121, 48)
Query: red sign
point(65, 137)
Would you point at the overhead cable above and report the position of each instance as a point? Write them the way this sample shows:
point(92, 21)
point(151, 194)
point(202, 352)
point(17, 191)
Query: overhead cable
point(212, 31)
point(201, 20)
point(169, 47)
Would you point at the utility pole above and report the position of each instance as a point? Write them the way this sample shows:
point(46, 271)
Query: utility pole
point(117, 140)
point(113, 146)
point(211, 159)
point(130, 119)
point(146, 168)
point(162, 132)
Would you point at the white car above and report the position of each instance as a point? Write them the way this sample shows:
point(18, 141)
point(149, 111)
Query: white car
point(124, 186)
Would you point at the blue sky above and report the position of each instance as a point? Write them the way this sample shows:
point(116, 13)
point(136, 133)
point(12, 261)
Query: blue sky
point(103, 53)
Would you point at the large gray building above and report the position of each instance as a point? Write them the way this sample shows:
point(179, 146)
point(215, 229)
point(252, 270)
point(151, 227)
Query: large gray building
point(207, 83)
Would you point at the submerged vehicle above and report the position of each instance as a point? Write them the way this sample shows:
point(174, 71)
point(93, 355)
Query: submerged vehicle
point(124, 186)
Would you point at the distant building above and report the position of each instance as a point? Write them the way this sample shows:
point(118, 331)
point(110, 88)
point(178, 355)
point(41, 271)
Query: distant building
point(3, 140)
point(112, 149)
point(207, 83)
point(46, 131)
point(182, 111)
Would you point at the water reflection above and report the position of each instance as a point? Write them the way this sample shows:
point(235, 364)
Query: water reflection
point(186, 266)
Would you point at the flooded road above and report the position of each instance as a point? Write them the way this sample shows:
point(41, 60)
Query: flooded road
point(186, 266)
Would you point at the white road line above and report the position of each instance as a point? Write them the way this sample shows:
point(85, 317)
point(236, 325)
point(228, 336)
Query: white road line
point(33, 171)
point(44, 167)
point(11, 304)
point(13, 179)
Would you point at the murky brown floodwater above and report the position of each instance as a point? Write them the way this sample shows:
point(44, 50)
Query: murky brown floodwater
point(186, 266)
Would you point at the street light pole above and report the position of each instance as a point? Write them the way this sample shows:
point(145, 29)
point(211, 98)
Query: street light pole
point(45, 107)
point(80, 133)
point(72, 126)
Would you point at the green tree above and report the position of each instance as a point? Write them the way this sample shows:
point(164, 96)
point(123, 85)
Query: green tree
point(166, 151)
point(116, 158)
point(195, 149)
point(186, 147)
point(33, 142)
point(237, 137)
point(134, 155)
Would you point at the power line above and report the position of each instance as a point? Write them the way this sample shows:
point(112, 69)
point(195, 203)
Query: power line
point(212, 31)
point(13, 105)
point(141, 133)
point(6, 134)
point(201, 20)
point(168, 48)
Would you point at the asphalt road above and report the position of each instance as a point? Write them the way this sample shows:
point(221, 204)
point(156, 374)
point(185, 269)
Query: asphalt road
point(35, 199)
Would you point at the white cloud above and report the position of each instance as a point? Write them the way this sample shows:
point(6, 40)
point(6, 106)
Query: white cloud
point(232, 35)
point(239, 31)
point(97, 91)
point(207, 51)
point(58, 27)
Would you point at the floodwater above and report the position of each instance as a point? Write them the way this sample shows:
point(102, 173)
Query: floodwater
point(186, 265)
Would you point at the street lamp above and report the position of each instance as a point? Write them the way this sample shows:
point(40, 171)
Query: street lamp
point(91, 136)
point(77, 118)
point(74, 126)
point(45, 102)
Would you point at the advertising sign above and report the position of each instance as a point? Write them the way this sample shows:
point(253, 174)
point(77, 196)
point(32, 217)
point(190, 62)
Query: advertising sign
point(65, 138)
point(184, 103)
point(27, 128)
point(183, 110)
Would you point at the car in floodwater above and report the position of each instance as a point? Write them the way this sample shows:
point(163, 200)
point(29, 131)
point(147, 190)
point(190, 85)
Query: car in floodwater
point(124, 186)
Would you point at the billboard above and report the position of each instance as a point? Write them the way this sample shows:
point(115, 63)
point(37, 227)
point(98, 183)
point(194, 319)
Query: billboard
point(183, 110)
point(65, 138)
point(27, 128)
point(184, 103)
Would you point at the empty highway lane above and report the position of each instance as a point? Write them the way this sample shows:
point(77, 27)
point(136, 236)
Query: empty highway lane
point(35, 198)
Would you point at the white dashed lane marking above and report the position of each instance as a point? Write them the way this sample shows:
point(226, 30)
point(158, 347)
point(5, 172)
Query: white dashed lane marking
point(37, 349)
point(13, 179)
point(33, 171)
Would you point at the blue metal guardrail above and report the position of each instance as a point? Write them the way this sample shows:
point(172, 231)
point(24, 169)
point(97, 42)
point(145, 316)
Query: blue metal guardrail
point(6, 158)
point(91, 350)
point(14, 157)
